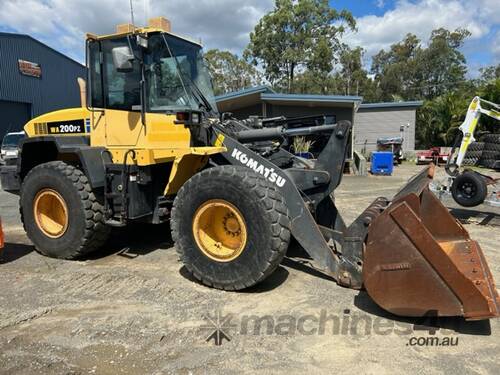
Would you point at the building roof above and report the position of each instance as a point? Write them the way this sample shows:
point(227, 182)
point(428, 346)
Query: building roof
point(26, 36)
point(262, 94)
point(311, 98)
point(410, 104)
point(244, 92)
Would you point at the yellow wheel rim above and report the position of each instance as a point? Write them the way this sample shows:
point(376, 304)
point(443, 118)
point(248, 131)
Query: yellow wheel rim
point(219, 230)
point(51, 213)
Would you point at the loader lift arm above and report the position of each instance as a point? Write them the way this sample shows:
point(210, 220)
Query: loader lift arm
point(315, 219)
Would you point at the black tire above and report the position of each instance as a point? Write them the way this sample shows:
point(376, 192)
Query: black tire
point(469, 189)
point(491, 138)
point(470, 161)
point(475, 146)
point(489, 163)
point(472, 157)
point(473, 154)
point(495, 147)
point(489, 155)
point(265, 214)
point(86, 230)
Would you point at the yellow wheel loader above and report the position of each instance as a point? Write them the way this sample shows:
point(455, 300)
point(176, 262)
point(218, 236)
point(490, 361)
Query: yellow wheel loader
point(148, 144)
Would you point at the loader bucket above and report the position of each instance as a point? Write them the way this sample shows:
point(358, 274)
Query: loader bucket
point(419, 260)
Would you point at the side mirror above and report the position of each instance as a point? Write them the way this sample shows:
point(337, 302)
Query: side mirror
point(142, 41)
point(122, 59)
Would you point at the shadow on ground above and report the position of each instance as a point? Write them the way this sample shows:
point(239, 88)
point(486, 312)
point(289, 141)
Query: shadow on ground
point(14, 251)
point(135, 240)
point(298, 259)
point(277, 278)
point(428, 323)
point(467, 216)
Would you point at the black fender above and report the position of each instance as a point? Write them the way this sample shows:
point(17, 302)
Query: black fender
point(73, 149)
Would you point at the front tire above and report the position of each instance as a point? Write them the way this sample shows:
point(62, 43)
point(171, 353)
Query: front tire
point(60, 212)
point(230, 226)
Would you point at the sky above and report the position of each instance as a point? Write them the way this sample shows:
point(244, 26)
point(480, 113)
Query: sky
point(226, 24)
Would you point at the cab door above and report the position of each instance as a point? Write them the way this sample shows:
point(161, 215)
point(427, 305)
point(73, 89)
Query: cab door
point(123, 128)
point(122, 97)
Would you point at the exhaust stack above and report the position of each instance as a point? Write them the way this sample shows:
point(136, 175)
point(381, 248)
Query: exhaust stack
point(83, 92)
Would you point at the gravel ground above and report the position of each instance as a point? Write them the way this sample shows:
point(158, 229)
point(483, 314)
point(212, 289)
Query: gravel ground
point(134, 309)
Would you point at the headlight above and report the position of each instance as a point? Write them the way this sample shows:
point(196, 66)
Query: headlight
point(188, 118)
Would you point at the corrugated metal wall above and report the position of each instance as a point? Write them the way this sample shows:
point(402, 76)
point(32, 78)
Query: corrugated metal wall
point(373, 123)
point(57, 87)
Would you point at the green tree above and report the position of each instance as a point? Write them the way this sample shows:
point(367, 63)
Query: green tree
point(297, 36)
point(349, 78)
point(413, 71)
point(352, 78)
point(230, 72)
point(488, 74)
point(441, 66)
point(491, 92)
point(439, 119)
point(309, 82)
point(395, 70)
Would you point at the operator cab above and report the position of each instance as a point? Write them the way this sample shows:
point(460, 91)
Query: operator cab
point(148, 70)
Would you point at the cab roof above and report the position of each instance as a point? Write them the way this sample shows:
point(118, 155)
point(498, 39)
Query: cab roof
point(155, 25)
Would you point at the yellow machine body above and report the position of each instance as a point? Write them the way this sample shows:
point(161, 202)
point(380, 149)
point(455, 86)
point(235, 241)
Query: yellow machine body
point(159, 140)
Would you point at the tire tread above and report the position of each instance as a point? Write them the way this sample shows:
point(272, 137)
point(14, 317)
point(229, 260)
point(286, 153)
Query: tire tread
point(96, 231)
point(275, 206)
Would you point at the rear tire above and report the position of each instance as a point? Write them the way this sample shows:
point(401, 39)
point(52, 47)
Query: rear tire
point(469, 189)
point(85, 228)
point(265, 219)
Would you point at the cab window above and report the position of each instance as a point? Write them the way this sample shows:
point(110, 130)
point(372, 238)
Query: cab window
point(95, 76)
point(122, 89)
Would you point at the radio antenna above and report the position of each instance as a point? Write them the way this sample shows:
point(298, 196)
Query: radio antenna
point(146, 11)
point(132, 13)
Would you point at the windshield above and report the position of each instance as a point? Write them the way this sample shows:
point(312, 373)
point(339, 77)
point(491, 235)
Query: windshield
point(12, 140)
point(176, 75)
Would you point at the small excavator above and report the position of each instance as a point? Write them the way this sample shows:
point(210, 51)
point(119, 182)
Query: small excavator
point(469, 188)
point(148, 144)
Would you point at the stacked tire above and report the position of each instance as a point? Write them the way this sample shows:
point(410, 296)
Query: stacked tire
point(474, 153)
point(490, 157)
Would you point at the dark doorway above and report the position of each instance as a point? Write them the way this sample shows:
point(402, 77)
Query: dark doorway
point(13, 116)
